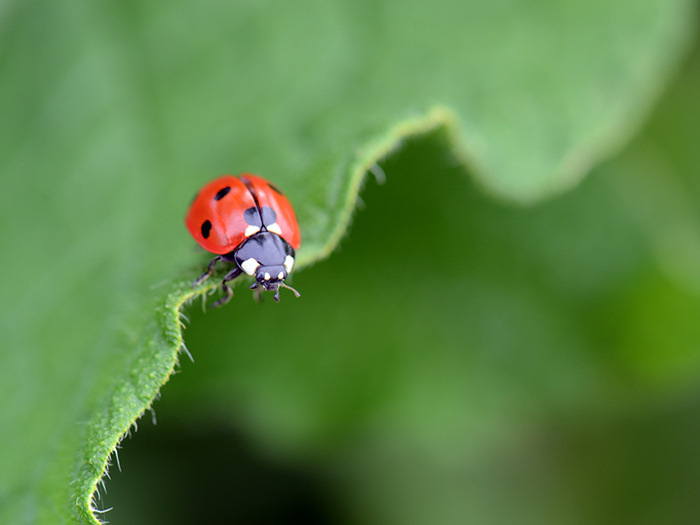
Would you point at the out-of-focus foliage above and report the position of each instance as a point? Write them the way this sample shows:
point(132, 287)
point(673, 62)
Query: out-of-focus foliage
point(501, 365)
point(458, 359)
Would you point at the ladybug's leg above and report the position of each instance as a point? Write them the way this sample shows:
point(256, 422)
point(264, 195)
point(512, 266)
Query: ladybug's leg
point(229, 293)
point(206, 274)
point(258, 292)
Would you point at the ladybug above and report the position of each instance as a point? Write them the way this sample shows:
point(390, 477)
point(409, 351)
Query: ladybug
point(248, 221)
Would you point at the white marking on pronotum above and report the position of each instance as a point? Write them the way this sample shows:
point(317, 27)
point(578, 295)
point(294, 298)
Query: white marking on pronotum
point(249, 266)
point(289, 263)
point(274, 228)
point(280, 276)
point(250, 230)
point(267, 276)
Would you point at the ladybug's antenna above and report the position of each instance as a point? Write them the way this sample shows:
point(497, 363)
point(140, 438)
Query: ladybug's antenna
point(289, 288)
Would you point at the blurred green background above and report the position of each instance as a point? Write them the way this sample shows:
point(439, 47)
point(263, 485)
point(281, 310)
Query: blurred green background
point(459, 358)
point(497, 364)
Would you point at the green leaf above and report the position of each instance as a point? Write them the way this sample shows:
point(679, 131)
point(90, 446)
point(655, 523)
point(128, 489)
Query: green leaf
point(116, 112)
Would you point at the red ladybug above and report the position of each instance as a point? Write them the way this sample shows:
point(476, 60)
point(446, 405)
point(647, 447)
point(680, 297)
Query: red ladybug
point(247, 221)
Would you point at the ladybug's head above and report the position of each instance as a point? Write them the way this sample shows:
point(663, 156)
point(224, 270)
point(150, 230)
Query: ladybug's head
point(267, 257)
point(271, 278)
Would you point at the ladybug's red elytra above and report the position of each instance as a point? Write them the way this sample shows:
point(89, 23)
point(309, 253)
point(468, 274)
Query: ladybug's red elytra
point(246, 220)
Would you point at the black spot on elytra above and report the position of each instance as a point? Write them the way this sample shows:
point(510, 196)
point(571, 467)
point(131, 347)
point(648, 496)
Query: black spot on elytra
point(268, 215)
point(275, 188)
point(222, 193)
point(206, 228)
point(252, 217)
